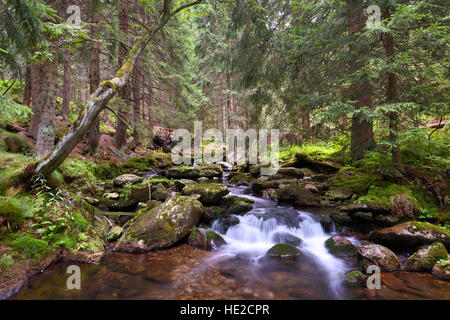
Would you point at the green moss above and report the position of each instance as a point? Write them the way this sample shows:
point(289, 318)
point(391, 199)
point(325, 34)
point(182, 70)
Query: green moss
point(359, 182)
point(108, 170)
point(283, 249)
point(396, 198)
point(194, 233)
point(31, 247)
point(423, 226)
point(211, 235)
point(73, 169)
point(13, 210)
point(55, 179)
point(80, 222)
point(110, 84)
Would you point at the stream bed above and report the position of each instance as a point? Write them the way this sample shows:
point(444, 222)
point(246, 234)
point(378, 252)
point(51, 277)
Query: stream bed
point(238, 270)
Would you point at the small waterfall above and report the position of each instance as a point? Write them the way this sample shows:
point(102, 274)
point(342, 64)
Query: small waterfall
point(257, 230)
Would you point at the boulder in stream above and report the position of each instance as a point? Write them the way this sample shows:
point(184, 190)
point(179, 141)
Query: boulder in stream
point(283, 251)
point(411, 234)
point(210, 193)
point(205, 239)
point(426, 257)
point(161, 226)
point(340, 246)
point(127, 178)
point(375, 254)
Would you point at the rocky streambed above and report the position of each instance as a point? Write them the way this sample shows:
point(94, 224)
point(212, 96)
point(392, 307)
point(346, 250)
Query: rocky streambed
point(198, 233)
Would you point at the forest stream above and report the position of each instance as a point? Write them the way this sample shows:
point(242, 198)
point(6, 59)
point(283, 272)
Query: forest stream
point(237, 270)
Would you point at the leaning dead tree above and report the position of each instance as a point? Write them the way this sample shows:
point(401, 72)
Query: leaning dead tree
point(99, 99)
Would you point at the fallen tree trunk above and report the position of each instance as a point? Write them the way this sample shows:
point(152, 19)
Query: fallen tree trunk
point(98, 100)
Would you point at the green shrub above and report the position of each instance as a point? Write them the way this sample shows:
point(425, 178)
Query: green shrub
point(31, 247)
point(12, 112)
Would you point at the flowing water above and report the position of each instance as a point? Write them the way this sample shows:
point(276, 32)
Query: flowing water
point(238, 270)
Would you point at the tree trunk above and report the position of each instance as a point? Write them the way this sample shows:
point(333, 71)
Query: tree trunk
point(67, 86)
point(120, 137)
point(306, 123)
point(136, 104)
point(94, 81)
point(229, 100)
point(36, 87)
point(98, 100)
point(362, 138)
point(45, 139)
point(27, 92)
point(393, 96)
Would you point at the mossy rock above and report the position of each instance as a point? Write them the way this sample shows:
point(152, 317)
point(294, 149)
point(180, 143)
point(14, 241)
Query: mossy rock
point(441, 270)
point(114, 233)
point(77, 169)
point(160, 193)
point(236, 205)
point(255, 169)
point(283, 251)
point(187, 172)
point(181, 183)
point(210, 193)
point(411, 234)
point(298, 195)
point(339, 193)
point(161, 226)
point(126, 178)
point(284, 237)
point(394, 199)
point(240, 178)
point(14, 143)
point(212, 213)
point(341, 220)
point(340, 246)
point(354, 279)
point(426, 257)
point(205, 239)
point(374, 254)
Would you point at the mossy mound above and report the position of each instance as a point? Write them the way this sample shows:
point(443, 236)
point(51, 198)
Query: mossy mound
point(14, 143)
point(426, 257)
point(283, 251)
point(32, 248)
point(14, 209)
point(77, 169)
